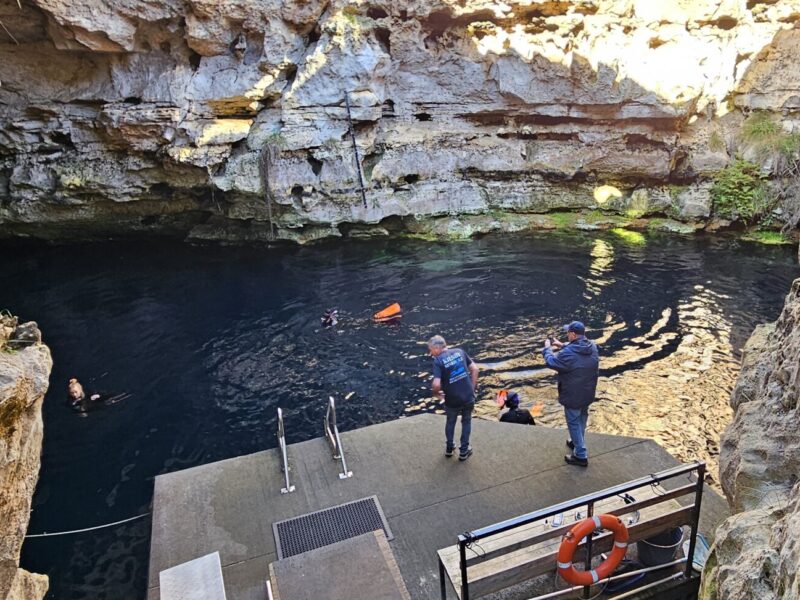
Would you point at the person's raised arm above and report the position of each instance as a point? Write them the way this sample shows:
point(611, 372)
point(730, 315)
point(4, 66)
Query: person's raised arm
point(559, 362)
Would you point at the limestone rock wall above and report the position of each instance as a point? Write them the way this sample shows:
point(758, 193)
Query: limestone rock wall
point(178, 116)
point(25, 365)
point(757, 553)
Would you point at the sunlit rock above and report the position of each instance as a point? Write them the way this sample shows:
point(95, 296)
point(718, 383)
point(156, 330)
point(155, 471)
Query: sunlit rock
point(24, 373)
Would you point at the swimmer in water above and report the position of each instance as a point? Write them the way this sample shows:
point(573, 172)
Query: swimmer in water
point(514, 414)
point(82, 402)
point(330, 318)
point(78, 400)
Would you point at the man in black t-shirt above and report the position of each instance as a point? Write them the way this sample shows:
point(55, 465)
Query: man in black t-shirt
point(454, 379)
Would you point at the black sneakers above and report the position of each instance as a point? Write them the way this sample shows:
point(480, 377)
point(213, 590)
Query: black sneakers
point(448, 452)
point(465, 455)
point(570, 445)
point(571, 459)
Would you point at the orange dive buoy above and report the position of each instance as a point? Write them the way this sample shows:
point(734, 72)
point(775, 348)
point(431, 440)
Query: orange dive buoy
point(574, 536)
point(393, 311)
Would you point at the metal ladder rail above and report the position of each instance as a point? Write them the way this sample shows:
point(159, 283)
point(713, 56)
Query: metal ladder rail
point(355, 148)
point(332, 435)
point(288, 488)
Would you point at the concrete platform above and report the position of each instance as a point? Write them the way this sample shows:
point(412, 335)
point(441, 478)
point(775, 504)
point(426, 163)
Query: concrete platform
point(229, 506)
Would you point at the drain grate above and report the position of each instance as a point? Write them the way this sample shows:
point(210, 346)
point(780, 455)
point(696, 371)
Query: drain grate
point(328, 526)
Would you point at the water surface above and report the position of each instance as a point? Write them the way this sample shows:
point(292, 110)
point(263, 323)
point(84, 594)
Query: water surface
point(209, 341)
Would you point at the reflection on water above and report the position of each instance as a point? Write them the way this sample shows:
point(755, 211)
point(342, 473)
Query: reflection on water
point(599, 270)
point(210, 341)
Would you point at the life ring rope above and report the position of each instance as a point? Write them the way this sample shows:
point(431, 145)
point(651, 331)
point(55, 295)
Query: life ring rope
point(573, 538)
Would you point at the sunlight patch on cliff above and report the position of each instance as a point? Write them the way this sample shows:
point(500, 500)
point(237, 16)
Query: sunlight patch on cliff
point(664, 54)
point(224, 131)
point(604, 193)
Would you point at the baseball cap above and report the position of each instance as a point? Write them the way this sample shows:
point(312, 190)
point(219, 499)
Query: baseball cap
point(576, 327)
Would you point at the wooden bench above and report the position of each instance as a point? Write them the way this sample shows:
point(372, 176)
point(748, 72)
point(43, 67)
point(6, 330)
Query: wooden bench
point(501, 560)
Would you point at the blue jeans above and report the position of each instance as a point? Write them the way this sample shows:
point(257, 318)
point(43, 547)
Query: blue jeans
point(466, 425)
point(576, 423)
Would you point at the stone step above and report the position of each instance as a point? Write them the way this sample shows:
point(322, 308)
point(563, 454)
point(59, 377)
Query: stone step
point(198, 579)
point(359, 567)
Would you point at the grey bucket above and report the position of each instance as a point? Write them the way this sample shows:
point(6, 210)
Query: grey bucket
point(660, 548)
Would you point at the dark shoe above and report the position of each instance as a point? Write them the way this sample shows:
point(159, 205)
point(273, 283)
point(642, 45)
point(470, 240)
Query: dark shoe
point(570, 445)
point(448, 452)
point(465, 455)
point(571, 459)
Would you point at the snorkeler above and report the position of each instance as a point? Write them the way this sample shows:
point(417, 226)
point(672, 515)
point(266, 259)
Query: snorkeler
point(330, 318)
point(81, 402)
point(78, 400)
point(515, 414)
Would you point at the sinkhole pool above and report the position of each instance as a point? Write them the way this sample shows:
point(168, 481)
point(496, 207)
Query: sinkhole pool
point(206, 342)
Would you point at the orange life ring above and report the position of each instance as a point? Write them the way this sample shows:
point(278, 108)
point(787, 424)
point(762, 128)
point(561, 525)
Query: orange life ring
point(574, 536)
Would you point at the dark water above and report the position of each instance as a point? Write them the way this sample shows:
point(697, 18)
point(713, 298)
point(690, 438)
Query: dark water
point(210, 341)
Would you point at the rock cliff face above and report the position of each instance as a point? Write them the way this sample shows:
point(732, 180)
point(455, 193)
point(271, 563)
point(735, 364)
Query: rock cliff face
point(757, 552)
point(227, 118)
point(25, 365)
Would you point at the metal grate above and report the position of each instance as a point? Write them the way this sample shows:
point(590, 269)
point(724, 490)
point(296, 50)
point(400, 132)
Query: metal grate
point(329, 526)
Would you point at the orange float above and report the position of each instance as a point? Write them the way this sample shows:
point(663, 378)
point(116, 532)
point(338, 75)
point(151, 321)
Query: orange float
point(574, 537)
point(393, 311)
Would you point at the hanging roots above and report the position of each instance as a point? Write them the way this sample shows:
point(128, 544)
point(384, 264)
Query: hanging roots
point(269, 154)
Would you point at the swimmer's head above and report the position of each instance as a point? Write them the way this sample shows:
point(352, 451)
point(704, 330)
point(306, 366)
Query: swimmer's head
point(507, 399)
point(75, 389)
point(512, 400)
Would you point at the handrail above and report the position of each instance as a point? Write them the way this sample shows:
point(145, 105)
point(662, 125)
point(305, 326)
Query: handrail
point(332, 435)
point(587, 500)
point(288, 487)
point(569, 505)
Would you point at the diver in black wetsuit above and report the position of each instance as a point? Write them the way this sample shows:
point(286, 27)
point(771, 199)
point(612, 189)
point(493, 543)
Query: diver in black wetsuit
point(514, 414)
point(81, 402)
point(330, 318)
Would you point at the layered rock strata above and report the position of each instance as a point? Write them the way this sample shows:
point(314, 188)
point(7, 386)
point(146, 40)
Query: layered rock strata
point(227, 119)
point(756, 554)
point(25, 365)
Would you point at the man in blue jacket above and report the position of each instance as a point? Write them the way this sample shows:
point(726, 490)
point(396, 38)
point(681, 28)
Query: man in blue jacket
point(577, 364)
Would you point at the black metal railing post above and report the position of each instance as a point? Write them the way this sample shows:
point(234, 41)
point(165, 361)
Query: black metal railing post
point(442, 580)
point(462, 557)
point(698, 497)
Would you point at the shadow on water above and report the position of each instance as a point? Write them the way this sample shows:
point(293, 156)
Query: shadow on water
point(209, 341)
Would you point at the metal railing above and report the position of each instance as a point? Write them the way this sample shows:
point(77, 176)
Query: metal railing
point(288, 487)
point(588, 501)
point(332, 435)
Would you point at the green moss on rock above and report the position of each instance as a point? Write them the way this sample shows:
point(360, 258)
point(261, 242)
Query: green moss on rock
point(771, 238)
